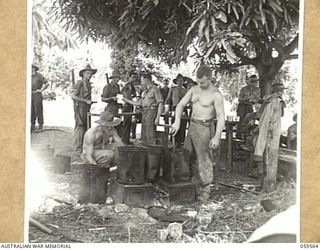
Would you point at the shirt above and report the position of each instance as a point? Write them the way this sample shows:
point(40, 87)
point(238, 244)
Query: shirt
point(175, 95)
point(111, 90)
point(151, 97)
point(164, 92)
point(251, 92)
point(82, 89)
point(37, 81)
point(128, 91)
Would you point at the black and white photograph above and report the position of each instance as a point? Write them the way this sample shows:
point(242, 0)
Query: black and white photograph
point(163, 121)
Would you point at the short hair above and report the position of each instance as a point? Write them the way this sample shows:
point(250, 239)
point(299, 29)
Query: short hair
point(204, 70)
point(146, 76)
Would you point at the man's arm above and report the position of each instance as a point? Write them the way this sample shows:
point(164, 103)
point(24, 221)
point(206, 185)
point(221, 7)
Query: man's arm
point(218, 103)
point(179, 110)
point(117, 138)
point(167, 101)
point(75, 92)
point(160, 110)
point(88, 141)
point(159, 100)
point(108, 99)
point(242, 97)
point(106, 95)
point(256, 96)
point(45, 85)
point(136, 103)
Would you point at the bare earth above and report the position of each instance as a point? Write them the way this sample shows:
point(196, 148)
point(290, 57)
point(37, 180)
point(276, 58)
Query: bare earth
point(230, 215)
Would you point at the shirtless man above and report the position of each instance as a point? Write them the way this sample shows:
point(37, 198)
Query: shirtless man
point(202, 137)
point(97, 148)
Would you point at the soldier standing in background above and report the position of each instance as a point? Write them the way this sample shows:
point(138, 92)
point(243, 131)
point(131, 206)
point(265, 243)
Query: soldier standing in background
point(248, 96)
point(81, 96)
point(152, 107)
point(39, 84)
point(176, 93)
point(110, 92)
point(128, 92)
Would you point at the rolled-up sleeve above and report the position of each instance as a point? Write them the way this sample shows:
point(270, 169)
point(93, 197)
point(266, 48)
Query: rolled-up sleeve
point(76, 89)
point(106, 92)
point(157, 95)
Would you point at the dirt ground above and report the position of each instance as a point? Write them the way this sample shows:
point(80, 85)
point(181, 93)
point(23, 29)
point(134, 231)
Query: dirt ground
point(231, 215)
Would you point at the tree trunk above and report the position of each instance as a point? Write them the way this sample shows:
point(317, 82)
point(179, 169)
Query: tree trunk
point(271, 151)
point(271, 166)
point(268, 67)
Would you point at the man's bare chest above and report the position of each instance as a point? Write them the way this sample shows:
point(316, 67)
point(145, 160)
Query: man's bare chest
point(203, 99)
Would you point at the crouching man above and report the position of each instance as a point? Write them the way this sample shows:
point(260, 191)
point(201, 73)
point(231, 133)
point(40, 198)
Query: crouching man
point(100, 144)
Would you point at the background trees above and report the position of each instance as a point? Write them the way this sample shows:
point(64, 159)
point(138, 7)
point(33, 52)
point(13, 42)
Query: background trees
point(224, 33)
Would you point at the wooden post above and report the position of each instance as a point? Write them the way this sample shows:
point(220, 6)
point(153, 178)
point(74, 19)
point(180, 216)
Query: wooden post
point(271, 166)
point(229, 138)
point(107, 76)
point(72, 77)
point(88, 120)
point(40, 226)
point(271, 153)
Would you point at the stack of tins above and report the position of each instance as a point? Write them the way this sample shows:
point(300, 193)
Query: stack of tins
point(130, 187)
point(94, 182)
point(177, 170)
point(131, 165)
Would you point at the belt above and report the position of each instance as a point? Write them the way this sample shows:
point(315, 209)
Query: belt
point(202, 122)
point(149, 108)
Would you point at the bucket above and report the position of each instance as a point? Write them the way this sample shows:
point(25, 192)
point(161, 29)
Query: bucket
point(62, 164)
point(180, 171)
point(131, 165)
point(154, 158)
point(93, 185)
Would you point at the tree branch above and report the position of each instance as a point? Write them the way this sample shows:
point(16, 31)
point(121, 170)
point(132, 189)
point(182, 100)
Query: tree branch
point(245, 59)
point(292, 56)
point(226, 66)
point(291, 46)
point(278, 47)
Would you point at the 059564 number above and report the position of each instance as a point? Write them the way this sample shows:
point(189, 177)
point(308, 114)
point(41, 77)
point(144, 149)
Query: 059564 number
point(308, 245)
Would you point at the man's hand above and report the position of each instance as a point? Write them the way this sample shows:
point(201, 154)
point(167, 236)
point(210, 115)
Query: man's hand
point(157, 121)
point(251, 122)
point(214, 143)
point(253, 100)
point(174, 128)
point(89, 102)
point(92, 161)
